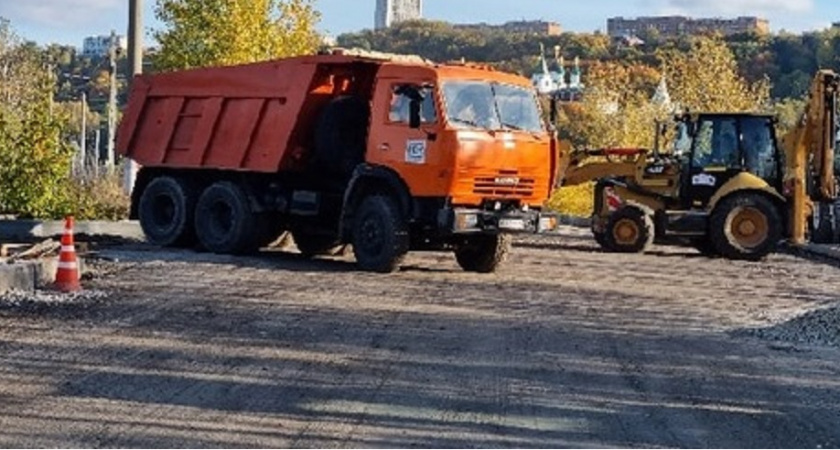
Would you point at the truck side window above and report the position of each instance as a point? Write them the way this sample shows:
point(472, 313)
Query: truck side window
point(399, 111)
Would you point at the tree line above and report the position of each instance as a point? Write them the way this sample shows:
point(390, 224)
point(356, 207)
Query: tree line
point(787, 60)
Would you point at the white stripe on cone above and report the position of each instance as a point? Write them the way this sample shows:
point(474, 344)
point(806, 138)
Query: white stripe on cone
point(67, 265)
point(68, 248)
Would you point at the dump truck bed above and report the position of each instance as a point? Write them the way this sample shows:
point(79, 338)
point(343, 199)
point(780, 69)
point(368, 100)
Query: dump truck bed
point(252, 117)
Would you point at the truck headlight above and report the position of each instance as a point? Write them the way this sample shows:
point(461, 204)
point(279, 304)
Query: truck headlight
point(466, 221)
point(548, 223)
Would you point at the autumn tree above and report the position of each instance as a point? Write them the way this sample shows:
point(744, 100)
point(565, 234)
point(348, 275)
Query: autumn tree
point(706, 78)
point(200, 33)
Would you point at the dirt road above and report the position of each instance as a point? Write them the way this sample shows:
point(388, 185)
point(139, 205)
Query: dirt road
point(565, 347)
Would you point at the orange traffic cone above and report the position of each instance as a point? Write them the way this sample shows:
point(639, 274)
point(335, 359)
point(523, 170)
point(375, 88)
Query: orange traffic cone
point(67, 275)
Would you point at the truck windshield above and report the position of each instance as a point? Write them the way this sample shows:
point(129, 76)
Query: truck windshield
point(491, 106)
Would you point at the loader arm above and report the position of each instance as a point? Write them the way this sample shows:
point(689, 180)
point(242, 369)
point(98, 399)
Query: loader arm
point(809, 154)
point(592, 165)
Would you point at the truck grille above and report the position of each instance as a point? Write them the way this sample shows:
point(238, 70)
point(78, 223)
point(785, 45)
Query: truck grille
point(505, 184)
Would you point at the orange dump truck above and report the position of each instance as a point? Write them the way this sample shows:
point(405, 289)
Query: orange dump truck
point(387, 154)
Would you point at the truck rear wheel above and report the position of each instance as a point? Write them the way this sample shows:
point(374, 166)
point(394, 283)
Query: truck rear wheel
point(224, 221)
point(380, 235)
point(483, 253)
point(746, 226)
point(629, 230)
point(312, 244)
point(166, 211)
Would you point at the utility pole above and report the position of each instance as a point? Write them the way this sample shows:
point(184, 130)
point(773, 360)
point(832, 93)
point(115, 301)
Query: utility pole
point(83, 140)
point(135, 60)
point(112, 99)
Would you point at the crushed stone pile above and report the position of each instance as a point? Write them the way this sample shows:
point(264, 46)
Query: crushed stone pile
point(819, 327)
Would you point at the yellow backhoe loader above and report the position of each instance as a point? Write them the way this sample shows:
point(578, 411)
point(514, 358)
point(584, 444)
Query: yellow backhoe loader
point(728, 185)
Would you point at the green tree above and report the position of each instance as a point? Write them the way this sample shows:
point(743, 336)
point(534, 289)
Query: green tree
point(35, 156)
point(200, 33)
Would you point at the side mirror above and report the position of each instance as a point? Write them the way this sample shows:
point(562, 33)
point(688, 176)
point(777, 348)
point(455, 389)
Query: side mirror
point(414, 119)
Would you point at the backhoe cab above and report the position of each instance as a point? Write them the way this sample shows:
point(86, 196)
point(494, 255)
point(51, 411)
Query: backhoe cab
point(728, 186)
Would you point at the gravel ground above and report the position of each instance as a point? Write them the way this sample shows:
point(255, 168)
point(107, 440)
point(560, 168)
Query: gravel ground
point(564, 347)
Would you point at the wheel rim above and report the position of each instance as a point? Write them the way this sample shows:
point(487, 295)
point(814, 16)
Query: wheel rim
point(221, 218)
point(370, 235)
point(626, 232)
point(164, 211)
point(749, 226)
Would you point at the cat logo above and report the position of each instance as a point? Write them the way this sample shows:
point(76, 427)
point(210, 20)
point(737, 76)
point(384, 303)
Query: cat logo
point(703, 179)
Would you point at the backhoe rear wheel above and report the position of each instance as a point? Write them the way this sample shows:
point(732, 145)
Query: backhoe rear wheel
point(746, 226)
point(629, 230)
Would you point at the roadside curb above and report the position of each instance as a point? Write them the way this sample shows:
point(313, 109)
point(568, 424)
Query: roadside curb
point(30, 275)
point(27, 230)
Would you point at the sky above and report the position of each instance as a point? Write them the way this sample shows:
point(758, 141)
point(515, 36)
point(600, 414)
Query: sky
point(69, 21)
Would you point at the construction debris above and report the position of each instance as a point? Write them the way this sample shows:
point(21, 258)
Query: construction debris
point(48, 247)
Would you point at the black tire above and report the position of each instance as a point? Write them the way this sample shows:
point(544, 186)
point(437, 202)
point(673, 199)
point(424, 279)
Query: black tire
point(704, 246)
point(311, 244)
point(600, 238)
point(629, 230)
point(224, 221)
point(380, 235)
point(746, 226)
point(166, 211)
point(483, 253)
point(340, 134)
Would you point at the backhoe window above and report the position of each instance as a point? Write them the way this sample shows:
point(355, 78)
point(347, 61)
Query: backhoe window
point(716, 144)
point(757, 146)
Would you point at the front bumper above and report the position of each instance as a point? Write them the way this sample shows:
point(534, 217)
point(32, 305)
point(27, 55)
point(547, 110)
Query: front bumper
point(466, 220)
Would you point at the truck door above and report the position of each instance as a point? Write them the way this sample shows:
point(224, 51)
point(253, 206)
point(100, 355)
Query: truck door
point(394, 143)
point(715, 158)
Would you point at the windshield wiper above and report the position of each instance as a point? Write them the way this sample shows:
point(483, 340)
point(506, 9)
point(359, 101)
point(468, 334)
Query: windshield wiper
point(511, 126)
point(467, 122)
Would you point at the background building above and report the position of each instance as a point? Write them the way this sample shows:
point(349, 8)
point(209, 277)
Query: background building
point(98, 46)
point(670, 26)
point(389, 12)
point(539, 27)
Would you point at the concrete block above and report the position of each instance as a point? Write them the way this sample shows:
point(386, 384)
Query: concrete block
point(20, 277)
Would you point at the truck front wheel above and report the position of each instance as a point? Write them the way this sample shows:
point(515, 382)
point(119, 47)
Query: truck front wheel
point(483, 253)
point(224, 221)
point(380, 235)
point(166, 212)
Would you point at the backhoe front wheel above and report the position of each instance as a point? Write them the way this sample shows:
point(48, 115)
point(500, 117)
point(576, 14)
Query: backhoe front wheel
point(629, 230)
point(746, 227)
